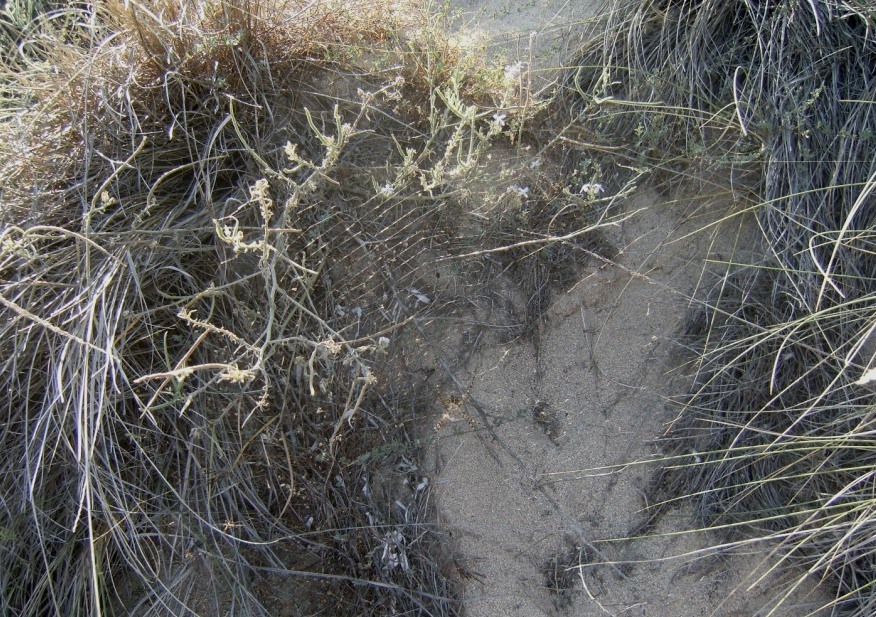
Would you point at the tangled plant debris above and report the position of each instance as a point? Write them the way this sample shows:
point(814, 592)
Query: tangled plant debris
point(217, 221)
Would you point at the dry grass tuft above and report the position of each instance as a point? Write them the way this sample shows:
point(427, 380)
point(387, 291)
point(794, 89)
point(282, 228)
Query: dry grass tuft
point(192, 192)
point(775, 442)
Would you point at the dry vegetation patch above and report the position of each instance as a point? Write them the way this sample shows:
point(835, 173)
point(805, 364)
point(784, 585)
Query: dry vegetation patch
point(774, 443)
point(232, 232)
point(214, 222)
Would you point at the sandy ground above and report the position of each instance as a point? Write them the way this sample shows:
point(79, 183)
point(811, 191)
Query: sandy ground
point(573, 413)
point(537, 33)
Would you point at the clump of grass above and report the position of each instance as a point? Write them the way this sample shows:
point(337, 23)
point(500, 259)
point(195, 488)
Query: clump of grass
point(775, 441)
point(214, 217)
point(560, 576)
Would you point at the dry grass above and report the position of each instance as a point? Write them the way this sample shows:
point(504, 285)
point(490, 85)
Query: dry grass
point(218, 219)
point(179, 236)
point(775, 442)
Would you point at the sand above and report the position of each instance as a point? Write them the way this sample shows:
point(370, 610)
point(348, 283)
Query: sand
point(535, 509)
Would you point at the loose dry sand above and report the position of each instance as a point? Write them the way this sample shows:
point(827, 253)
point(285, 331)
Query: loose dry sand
point(573, 411)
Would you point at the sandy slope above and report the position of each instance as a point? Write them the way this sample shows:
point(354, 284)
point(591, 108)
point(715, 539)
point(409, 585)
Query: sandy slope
point(571, 412)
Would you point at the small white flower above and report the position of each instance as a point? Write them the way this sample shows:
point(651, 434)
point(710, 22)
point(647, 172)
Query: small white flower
point(387, 190)
point(499, 118)
point(513, 71)
point(534, 163)
point(522, 191)
point(383, 342)
point(593, 189)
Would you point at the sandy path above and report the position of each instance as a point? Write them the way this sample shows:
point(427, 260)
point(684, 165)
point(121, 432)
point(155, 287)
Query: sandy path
point(592, 396)
point(604, 390)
